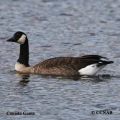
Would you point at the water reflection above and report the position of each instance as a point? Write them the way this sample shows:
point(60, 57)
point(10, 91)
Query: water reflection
point(97, 78)
point(24, 79)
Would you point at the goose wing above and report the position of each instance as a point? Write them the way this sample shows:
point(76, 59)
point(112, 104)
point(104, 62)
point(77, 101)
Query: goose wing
point(75, 63)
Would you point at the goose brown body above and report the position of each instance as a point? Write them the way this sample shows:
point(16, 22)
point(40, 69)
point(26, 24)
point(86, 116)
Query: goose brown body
point(66, 66)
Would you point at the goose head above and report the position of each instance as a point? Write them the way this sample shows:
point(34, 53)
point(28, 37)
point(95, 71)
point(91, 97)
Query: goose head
point(18, 37)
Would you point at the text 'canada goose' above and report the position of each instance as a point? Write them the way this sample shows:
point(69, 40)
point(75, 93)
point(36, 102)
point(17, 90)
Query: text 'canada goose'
point(63, 66)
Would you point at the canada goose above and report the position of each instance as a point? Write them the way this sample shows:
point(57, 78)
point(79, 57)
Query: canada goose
point(63, 66)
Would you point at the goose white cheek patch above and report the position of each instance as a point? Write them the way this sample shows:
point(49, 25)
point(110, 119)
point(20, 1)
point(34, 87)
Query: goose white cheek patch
point(22, 39)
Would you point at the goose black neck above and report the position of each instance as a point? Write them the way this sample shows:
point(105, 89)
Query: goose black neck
point(24, 54)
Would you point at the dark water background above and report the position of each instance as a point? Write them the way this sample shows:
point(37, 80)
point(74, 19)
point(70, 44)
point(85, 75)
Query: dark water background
point(60, 28)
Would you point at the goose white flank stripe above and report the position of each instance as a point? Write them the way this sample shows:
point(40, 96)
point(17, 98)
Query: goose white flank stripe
point(90, 69)
point(62, 66)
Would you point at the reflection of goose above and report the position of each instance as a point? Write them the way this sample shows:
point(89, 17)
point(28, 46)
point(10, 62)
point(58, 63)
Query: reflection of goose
point(64, 66)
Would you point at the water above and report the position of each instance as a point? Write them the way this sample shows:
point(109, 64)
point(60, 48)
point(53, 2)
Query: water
point(60, 28)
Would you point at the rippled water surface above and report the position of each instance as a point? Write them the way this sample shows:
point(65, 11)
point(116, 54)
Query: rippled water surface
point(60, 28)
